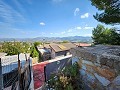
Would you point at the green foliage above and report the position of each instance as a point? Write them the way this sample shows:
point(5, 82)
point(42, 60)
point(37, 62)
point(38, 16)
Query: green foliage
point(33, 52)
point(65, 41)
point(37, 43)
point(68, 79)
point(102, 35)
point(26, 47)
point(13, 48)
point(110, 11)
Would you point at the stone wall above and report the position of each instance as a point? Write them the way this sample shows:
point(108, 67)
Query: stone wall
point(99, 66)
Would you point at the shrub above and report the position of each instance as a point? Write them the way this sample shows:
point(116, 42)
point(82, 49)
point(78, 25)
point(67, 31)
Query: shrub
point(67, 79)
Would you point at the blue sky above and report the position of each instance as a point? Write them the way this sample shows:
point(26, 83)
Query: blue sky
point(51, 18)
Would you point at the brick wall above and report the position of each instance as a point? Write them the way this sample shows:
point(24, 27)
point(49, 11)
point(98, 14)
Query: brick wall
point(99, 66)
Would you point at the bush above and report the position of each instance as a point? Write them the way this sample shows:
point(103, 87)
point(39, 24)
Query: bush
point(68, 79)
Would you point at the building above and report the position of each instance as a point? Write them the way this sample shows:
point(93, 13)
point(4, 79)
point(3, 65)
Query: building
point(82, 44)
point(58, 50)
point(53, 50)
point(44, 52)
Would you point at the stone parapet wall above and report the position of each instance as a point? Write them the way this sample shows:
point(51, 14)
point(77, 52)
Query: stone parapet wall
point(99, 66)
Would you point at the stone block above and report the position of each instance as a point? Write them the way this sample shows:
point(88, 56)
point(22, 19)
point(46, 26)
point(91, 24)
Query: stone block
point(110, 63)
point(93, 85)
point(116, 81)
point(107, 73)
point(103, 61)
point(90, 68)
point(84, 67)
point(113, 88)
point(82, 72)
point(74, 59)
point(117, 67)
point(80, 64)
point(102, 80)
point(90, 77)
point(87, 62)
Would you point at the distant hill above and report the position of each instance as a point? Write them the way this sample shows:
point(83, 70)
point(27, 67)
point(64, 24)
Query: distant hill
point(51, 39)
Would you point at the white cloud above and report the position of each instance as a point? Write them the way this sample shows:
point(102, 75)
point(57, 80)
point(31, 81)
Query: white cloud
point(88, 28)
point(51, 33)
point(70, 30)
point(42, 23)
point(78, 28)
point(63, 32)
point(86, 15)
point(76, 11)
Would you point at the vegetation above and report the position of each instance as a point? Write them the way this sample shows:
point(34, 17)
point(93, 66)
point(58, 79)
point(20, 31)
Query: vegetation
point(65, 41)
point(13, 48)
point(102, 35)
point(110, 11)
point(68, 79)
point(33, 52)
point(37, 43)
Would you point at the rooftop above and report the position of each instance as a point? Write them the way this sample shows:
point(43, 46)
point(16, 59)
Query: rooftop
point(62, 47)
point(82, 44)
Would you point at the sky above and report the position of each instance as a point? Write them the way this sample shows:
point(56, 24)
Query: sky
point(46, 18)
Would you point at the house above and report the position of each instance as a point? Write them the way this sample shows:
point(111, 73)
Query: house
point(58, 50)
point(44, 52)
point(53, 50)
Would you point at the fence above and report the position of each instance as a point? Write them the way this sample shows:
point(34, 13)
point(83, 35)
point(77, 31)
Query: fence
point(55, 66)
point(15, 74)
point(24, 75)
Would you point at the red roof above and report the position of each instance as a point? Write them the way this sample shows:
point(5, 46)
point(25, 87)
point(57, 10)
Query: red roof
point(82, 44)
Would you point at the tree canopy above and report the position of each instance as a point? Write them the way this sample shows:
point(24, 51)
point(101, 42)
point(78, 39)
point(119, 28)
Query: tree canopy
point(13, 48)
point(37, 43)
point(33, 52)
point(110, 11)
point(65, 41)
point(102, 35)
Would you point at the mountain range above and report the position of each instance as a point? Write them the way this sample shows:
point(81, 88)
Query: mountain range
point(51, 39)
